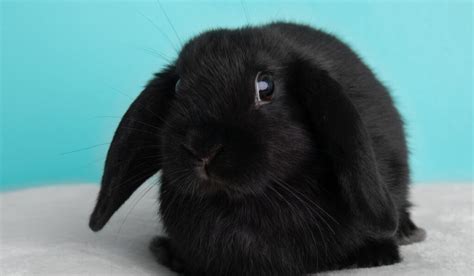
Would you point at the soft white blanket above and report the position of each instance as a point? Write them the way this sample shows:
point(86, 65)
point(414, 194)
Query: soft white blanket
point(44, 231)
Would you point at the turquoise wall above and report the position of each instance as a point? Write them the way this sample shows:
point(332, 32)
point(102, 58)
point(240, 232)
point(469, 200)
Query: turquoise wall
point(69, 69)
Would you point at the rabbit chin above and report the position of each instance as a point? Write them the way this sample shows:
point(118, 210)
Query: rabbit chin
point(211, 186)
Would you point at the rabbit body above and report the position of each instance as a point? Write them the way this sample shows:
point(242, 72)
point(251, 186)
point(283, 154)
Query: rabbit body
point(280, 154)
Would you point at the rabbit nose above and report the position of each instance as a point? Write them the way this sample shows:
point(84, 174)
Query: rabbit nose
point(204, 158)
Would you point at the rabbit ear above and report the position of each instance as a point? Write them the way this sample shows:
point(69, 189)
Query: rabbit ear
point(134, 154)
point(345, 138)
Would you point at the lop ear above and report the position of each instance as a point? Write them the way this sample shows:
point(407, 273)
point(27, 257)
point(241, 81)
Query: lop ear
point(134, 154)
point(345, 138)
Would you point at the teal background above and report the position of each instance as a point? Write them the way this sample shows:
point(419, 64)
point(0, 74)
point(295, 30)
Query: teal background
point(69, 70)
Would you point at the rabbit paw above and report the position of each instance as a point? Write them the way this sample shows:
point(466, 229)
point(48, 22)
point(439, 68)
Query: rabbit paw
point(377, 253)
point(161, 249)
point(408, 232)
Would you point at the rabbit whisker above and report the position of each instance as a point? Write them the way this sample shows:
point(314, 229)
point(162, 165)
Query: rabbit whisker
point(86, 148)
point(160, 31)
point(132, 208)
point(169, 21)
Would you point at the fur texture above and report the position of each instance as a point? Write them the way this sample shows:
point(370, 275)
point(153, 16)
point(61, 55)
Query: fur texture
point(316, 179)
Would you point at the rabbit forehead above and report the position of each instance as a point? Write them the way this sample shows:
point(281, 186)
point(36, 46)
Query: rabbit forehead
point(228, 52)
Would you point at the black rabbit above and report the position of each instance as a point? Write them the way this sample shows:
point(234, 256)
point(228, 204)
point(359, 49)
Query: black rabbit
point(280, 153)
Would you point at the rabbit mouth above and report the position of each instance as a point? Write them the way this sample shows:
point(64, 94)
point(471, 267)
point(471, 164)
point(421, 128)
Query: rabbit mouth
point(202, 172)
point(211, 184)
point(208, 180)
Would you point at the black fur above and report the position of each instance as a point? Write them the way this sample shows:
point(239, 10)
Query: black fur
point(315, 180)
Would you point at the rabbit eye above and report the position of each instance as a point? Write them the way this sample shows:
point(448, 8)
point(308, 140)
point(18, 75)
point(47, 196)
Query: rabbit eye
point(177, 85)
point(264, 88)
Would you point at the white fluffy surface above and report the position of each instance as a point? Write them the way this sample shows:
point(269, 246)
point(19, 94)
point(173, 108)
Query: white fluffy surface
point(44, 231)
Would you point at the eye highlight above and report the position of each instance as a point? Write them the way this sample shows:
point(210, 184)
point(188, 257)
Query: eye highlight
point(264, 87)
point(177, 85)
